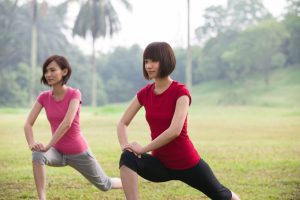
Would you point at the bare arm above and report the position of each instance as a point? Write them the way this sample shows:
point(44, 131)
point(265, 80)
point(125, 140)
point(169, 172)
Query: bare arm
point(65, 124)
point(34, 113)
point(125, 121)
point(169, 134)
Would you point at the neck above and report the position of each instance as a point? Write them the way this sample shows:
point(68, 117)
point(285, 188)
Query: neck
point(163, 82)
point(59, 89)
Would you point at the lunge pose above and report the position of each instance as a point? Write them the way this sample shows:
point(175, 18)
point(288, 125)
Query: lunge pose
point(173, 156)
point(67, 146)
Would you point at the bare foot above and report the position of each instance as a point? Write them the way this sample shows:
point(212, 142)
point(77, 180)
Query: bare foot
point(116, 183)
point(234, 196)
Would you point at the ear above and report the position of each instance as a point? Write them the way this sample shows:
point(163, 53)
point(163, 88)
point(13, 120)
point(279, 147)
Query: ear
point(65, 72)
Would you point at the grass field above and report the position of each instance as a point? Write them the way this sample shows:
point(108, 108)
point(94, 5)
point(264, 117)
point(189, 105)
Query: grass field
point(255, 151)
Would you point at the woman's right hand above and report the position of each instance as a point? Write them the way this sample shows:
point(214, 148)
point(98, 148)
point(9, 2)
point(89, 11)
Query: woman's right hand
point(132, 148)
point(36, 146)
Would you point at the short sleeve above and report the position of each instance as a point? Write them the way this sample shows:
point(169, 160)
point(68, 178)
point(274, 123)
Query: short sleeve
point(182, 91)
point(141, 96)
point(76, 95)
point(41, 98)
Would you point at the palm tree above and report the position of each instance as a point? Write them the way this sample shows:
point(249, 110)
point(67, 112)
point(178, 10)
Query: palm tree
point(98, 18)
point(33, 50)
point(188, 69)
point(46, 35)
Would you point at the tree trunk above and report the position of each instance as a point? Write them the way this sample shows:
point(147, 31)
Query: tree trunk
point(33, 52)
point(94, 77)
point(188, 71)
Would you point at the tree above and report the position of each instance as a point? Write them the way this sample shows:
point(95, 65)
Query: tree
point(10, 22)
point(33, 50)
point(292, 24)
point(237, 16)
point(257, 49)
point(15, 40)
point(211, 65)
point(188, 69)
point(121, 70)
point(97, 18)
point(293, 7)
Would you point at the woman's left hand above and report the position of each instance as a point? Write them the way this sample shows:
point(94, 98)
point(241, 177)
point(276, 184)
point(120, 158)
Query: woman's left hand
point(135, 147)
point(46, 148)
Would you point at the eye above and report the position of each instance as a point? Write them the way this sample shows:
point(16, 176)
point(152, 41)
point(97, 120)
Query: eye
point(148, 61)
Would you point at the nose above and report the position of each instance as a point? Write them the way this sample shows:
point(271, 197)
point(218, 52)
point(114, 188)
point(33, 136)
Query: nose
point(46, 74)
point(148, 65)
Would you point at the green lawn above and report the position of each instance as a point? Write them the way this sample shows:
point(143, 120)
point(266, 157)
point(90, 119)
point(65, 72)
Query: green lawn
point(255, 151)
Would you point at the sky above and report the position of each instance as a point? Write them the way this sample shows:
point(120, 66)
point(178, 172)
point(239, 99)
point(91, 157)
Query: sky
point(156, 20)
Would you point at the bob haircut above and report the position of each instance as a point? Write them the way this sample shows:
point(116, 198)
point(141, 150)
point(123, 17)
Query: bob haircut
point(163, 53)
point(62, 63)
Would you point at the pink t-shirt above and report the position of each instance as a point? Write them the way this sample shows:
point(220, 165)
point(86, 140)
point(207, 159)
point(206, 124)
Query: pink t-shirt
point(180, 152)
point(72, 142)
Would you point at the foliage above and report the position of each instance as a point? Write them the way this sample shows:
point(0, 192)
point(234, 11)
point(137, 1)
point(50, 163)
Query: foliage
point(122, 73)
point(12, 94)
point(237, 16)
point(293, 7)
point(211, 64)
point(239, 41)
point(291, 48)
point(97, 17)
point(257, 49)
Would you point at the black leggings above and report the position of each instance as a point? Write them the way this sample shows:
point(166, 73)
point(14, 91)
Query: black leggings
point(199, 177)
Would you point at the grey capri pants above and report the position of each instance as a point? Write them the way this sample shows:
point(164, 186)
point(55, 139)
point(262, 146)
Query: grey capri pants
point(85, 163)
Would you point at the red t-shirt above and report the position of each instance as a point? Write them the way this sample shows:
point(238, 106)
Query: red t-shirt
point(72, 142)
point(180, 153)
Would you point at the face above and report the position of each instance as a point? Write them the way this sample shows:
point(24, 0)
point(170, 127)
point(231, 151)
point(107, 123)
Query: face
point(152, 68)
point(54, 74)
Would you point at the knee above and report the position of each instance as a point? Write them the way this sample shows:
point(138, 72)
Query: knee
point(126, 155)
point(126, 158)
point(38, 157)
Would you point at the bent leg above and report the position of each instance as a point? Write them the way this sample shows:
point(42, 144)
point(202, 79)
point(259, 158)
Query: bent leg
point(39, 159)
point(130, 183)
point(39, 179)
point(146, 166)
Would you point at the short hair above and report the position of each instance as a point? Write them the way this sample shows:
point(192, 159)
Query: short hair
point(163, 53)
point(62, 62)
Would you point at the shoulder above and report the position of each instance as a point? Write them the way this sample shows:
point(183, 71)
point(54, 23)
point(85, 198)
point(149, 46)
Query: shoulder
point(74, 90)
point(146, 88)
point(143, 93)
point(44, 94)
point(181, 87)
point(181, 90)
point(74, 93)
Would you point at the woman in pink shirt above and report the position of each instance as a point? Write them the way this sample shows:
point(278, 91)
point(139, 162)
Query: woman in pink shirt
point(173, 157)
point(67, 145)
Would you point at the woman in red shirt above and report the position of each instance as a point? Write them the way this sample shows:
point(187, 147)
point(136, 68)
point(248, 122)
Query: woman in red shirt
point(173, 157)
